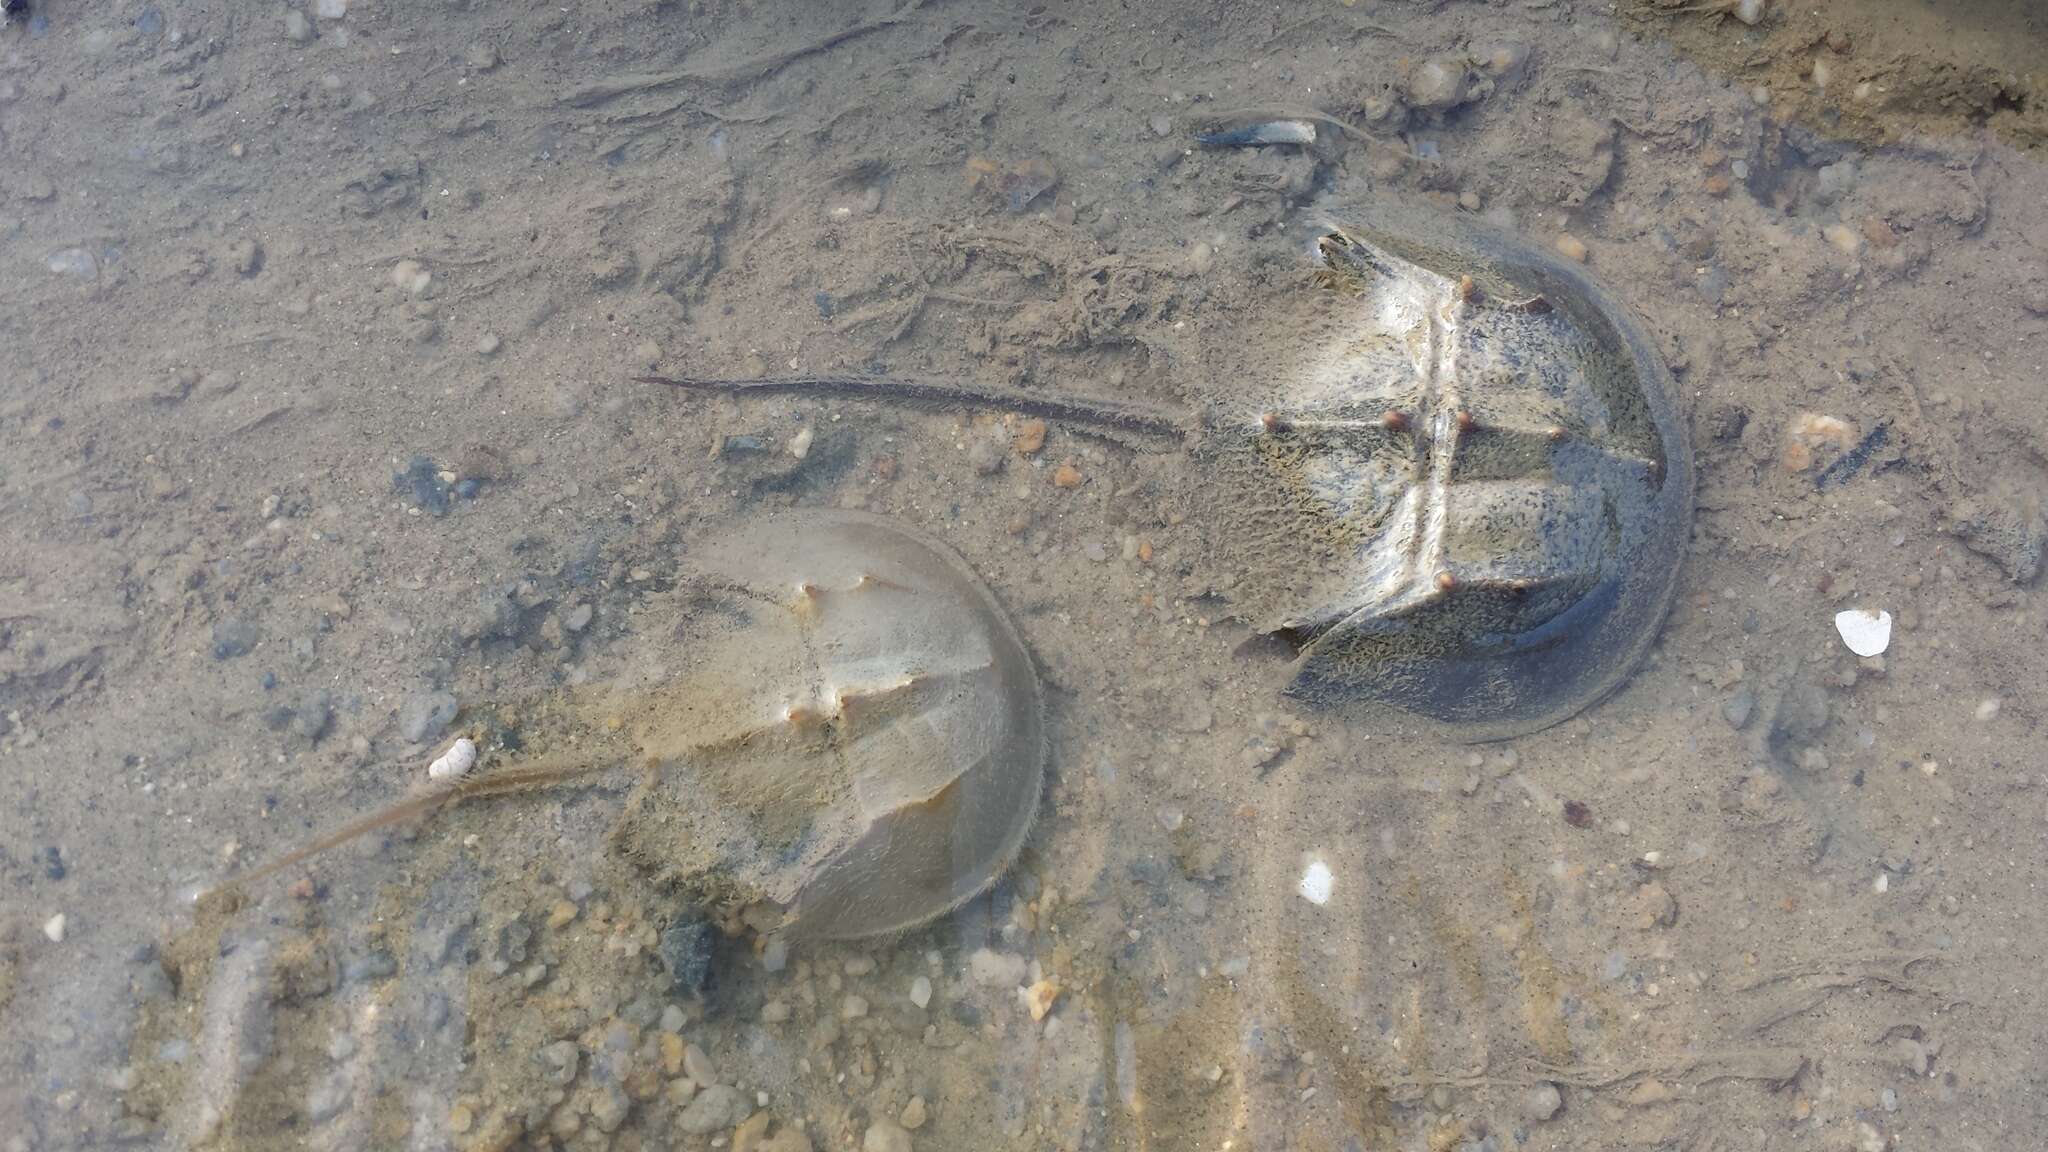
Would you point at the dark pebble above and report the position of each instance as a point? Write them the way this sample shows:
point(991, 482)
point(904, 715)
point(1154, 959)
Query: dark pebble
point(467, 489)
point(233, 636)
point(150, 21)
point(422, 480)
point(53, 863)
point(824, 302)
point(1578, 814)
point(688, 947)
point(425, 714)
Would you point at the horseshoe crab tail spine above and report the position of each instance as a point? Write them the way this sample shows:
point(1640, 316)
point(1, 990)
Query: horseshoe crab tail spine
point(1119, 415)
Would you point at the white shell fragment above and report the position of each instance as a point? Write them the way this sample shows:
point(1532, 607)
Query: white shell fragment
point(1867, 631)
point(455, 763)
point(1316, 882)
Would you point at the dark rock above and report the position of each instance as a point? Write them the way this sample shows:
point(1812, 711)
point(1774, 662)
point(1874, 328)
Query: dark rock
point(422, 481)
point(234, 636)
point(688, 947)
point(425, 714)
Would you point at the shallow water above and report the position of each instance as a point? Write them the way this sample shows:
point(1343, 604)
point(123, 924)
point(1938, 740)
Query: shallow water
point(320, 444)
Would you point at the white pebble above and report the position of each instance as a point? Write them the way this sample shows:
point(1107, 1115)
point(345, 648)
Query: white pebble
point(455, 763)
point(411, 277)
point(1867, 632)
point(800, 444)
point(1750, 12)
point(1882, 884)
point(1988, 708)
point(54, 928)
point(330, 9)
point(1316, 882)
point(921, 991)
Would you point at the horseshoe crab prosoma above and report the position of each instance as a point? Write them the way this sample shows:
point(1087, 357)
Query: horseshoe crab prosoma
point(856, 746)
point(1467, 495)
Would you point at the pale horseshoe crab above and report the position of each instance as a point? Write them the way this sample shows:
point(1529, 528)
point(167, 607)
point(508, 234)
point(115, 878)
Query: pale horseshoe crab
point(1470, 499)
point(856, 748)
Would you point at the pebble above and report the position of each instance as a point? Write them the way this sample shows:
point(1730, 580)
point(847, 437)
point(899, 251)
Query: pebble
point(455, 763)
point(1030, 437)
point(1750, 12)
point(411, 277)
point(648, 353)
point(1469, 200)
point(481, 56)
point(774, 1012)
point(995, 969)
point(1162, 126)
point(914, 1116)
point(985, 456)
point(1040, 997)
point(53, 928)
point(560, 916)
point(1094, 551)
point(1541, 1101)
point(424, 714)
point(1316, 882)
point(858, 965)
point(714, 1109)
point(330, 9)
point(233, 636)
point(1571, 247)
point(297, 28)
point(578, 618)
point(1845, 239)
point(1437, 83)
point(1737, 708)
point(921, 991)
point(697, 1066)
point(800, 444)
point(853, 1007)
point(245, 256)
point(488, 344)
point(885, 1136)
point(1066, 476)
point(673, 1019)
point(1988, 708)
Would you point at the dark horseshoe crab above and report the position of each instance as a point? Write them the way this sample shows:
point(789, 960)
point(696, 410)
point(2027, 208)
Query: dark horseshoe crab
point(1469, 495)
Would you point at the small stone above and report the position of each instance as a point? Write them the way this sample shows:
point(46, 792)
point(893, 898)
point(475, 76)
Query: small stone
point(1094, 551)
point(672, 1052)
point(1845, 239)
point(1066, 476)
point(578, 618)
point(1162, 126)
point(714, 1109)
point(1438, 83)
point(234, 636)
point(488, 344)
point(1571, 247)
point(697, 1066)
point(1040, 997)
point(1030, 437)
point(561, 914)
point(885, 1136)
point(460, 1119)
point(985, 456)
point(297, 28)
point(993, 969)
point(330, 9)
point(853, 1008)
point(921, 991)
point(648, 353)
point(1737, 708)
point(559, 1062)
point(424, 714)
point(610, 1109)
point(481, 56)
point(1654, 907)
point(245, 256)
point(800, 444)
point(53, 928)
point(1541, 1101)
point(455, 763)
point(774, 1012)
point(687, 949)
point(914, 1116)
point(1987, 708)
point(1469, 200)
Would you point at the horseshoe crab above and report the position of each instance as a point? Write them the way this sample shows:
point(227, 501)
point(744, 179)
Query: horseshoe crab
point(1466, 492)
point(857, 743)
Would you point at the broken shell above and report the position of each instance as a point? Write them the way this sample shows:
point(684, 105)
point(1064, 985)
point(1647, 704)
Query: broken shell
point(1867, 632)
point(455, 763)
